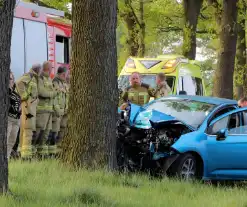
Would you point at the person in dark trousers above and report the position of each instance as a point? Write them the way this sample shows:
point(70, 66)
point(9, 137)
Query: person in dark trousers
point(13, 115)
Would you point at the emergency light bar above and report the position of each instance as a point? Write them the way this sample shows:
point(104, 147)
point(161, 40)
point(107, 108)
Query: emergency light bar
point(35, 14)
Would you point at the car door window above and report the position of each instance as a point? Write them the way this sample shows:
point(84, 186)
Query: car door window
point(234, 121)
point(217, 126)
point(223, 111)
point(241, 130)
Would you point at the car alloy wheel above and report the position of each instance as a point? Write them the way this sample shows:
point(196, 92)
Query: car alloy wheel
point(188, 169)
point(185, 167)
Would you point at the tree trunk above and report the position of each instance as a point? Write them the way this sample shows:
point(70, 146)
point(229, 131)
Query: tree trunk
point(142, 30)
point(90, 140)
point(223, 86)
point(239, 78)
point(191, 12)
point(133, 31)
point(6, 23)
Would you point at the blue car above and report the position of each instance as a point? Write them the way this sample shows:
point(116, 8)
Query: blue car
point(206, 136)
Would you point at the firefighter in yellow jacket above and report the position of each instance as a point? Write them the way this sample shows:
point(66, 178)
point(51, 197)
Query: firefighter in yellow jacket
point(46, 95)
point(137, 93)
point(59, 83)
point(64, 119)
point(27, 87)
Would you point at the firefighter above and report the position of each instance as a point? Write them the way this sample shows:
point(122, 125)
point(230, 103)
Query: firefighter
point(59, 83)
point(163, 88)
point(137, 93)
point(64, 119)
point(27, 87)
point(46, 94)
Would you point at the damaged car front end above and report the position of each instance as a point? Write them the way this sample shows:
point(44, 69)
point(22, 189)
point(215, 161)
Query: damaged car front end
point(145, 139)
point(165, 137)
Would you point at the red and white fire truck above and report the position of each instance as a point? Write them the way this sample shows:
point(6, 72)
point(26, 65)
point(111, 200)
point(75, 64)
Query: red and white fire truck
point(39, 34)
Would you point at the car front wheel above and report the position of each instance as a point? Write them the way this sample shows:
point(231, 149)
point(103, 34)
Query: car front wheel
point(185, 167)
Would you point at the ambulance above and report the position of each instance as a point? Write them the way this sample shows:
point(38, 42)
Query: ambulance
point(39, 34)
point(182, 75)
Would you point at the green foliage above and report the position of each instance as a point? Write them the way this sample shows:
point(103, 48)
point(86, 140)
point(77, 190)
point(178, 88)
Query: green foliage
point(58, 4)
point(47, 184)
point(164, 21)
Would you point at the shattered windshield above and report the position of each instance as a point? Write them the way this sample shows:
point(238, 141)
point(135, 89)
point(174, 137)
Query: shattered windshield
point(190, 112)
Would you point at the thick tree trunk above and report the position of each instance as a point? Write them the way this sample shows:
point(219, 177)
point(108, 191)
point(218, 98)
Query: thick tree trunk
point(240, 60)
point(223, 85)
point(6, 23)
point(90, 140)
point(191, 12)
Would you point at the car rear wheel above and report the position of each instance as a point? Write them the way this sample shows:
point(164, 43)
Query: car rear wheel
point(185, 167)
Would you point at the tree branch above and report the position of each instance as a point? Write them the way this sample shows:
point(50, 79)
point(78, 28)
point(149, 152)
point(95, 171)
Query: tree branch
point(218, 10)
point(128, 4)
point(178, 29)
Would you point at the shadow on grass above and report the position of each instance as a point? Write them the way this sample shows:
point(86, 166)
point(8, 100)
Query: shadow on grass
point(88, 197)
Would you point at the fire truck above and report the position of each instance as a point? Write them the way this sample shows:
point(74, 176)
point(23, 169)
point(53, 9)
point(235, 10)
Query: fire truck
point(39, 34)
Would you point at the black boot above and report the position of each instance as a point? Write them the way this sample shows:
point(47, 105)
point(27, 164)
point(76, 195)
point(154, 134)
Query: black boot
point(38, 143)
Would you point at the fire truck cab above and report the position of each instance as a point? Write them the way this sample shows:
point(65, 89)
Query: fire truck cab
point(39, 34)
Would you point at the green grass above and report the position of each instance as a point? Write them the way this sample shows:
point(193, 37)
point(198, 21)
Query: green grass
point(49, 184)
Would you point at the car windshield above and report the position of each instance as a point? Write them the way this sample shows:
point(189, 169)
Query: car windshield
point(123, 81)
point(190, 112)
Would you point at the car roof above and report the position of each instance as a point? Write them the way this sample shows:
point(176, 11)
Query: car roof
point(205, 99)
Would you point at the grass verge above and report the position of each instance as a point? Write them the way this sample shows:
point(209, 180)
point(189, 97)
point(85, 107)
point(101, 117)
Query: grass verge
point(48, 184)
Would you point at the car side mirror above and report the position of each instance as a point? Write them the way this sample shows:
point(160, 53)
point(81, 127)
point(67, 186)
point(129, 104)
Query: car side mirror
point(182, 93)
point(221, 135)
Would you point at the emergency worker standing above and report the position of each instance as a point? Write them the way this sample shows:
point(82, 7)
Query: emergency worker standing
point(163, 88)
point(59, 83)
point(46, 95)
point(137, 93)
point(27, 87)
point(64, 119)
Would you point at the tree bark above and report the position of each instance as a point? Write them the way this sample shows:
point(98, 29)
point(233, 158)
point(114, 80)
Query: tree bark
point(133, 31)
point(223, 86)
point(6, 23)
point(191, 12)
point(239, 75)
point(90, 140)
point(142, 30)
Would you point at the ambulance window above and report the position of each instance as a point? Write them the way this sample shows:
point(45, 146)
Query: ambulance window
point(189, 85)
point(198, 85)
point(62, 49)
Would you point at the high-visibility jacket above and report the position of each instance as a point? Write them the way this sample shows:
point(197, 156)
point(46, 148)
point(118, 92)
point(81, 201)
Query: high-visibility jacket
point(60, 99)
point(46, 94)
point(67, 98)
point(27, 87)
point(138, 95)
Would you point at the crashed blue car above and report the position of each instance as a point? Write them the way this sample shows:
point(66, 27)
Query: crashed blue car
point(188, 136)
